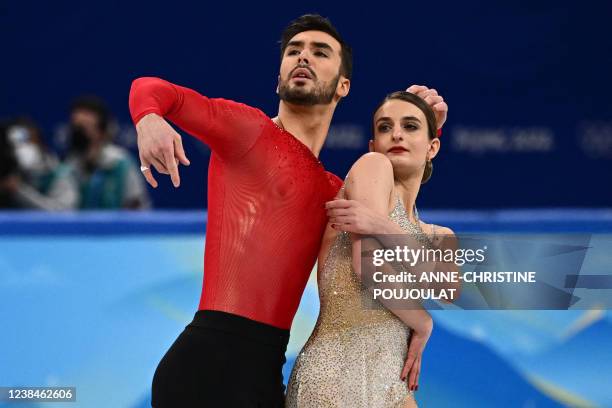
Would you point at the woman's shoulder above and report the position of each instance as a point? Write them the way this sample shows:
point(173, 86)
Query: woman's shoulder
point(371, 165)
point(438, 234)
point(370, 177)
point(373, 159)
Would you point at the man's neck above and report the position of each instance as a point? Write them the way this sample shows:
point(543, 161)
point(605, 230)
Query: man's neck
point(309, 124)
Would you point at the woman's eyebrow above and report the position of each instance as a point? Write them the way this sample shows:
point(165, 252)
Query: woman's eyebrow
point(385, 118)
point(411, 118)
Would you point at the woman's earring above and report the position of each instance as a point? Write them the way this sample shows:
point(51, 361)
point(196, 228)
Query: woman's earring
point(428, 171)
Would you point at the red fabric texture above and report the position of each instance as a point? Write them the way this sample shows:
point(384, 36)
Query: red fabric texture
point(266, 196)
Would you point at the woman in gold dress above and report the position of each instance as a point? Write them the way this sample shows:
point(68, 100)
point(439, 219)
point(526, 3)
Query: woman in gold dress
point(359, 356)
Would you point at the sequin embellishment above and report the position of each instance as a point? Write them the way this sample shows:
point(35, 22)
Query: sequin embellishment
point(355, 355)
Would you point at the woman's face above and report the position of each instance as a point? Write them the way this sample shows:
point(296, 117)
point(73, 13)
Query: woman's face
point(400, 133)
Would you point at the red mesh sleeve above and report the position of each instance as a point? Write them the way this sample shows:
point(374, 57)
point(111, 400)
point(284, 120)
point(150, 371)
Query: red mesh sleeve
point(229, 128)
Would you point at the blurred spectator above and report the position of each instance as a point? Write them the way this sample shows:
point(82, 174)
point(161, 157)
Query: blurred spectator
point(107, 176)
point(8, 169)
point(30, 175)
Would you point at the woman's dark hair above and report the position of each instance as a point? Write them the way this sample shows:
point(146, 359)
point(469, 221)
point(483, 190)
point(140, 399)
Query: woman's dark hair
point(315, 22)
point(430, 117)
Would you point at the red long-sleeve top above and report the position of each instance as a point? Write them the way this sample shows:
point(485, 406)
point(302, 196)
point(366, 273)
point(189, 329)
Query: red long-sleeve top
point(266, 196)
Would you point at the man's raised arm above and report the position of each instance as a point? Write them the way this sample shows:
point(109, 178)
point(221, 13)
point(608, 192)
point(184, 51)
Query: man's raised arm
point(227, 127)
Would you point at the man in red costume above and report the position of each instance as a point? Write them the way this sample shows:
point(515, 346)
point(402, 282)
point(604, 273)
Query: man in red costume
point(267, 192)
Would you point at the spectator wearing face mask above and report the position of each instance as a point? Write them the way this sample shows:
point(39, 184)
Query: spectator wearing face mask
point(107, 175)
point(31, 176)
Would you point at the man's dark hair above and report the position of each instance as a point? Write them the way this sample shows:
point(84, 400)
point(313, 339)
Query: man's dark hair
point(95, 105)
point(315, 22)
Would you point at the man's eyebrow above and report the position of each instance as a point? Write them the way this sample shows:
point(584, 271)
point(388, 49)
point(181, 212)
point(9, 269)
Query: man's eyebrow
point(322, 45)
point(316, 44)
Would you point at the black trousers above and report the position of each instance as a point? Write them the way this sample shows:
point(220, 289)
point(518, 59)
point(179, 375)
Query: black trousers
point(222, 360)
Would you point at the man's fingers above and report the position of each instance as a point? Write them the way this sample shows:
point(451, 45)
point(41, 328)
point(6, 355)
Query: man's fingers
point(150, 179)
point(340, 220)
point(172, 167)
point(159, 166)
point(341, 226)
point(430, 92)
point(152, 163)
point(338, 203)
point(148, 175)
point(433, 100)
point(416, 88)
point(335, 212)
point(441, 111)
point(179, 152)
point(440, 107)
point(427, 93)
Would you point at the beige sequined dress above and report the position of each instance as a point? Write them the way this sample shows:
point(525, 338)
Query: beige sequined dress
point(355, 354)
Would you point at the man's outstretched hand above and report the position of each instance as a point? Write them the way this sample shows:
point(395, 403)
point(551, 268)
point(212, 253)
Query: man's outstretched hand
point(434, 100)
point(159, 146)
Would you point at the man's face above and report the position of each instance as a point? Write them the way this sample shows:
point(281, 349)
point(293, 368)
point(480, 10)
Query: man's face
point(310, 69)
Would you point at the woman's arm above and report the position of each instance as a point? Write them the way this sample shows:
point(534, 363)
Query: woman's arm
point(370, 182)
point(445, 239)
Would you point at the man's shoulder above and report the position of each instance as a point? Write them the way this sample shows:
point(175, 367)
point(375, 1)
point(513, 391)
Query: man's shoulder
point(244, 110)
point(335, 181)
point(332, 177)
